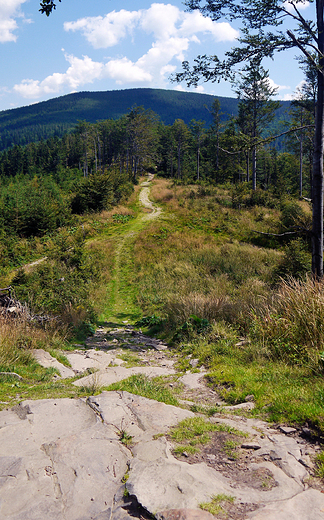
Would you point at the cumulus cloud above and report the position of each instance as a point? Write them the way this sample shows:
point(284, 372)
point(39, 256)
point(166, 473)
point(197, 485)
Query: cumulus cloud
point(124, 71)
point(80, 72)
point(103, 32)
point(164, 21)
point(172, 30)
point(277, 87)
point(9, 11)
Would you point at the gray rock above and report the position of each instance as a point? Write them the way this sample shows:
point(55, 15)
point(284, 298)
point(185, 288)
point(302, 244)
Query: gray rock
point(250, 446)
point(192, 381)
point(46, 360)
point(59, 462)
point(114, 374)
point(287, 430)
point(308, 505)
point(242, 406)
point(184, 514)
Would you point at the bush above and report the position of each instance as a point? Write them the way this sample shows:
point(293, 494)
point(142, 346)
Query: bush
point(93, 193)
point(60, 285)
point(296, 261)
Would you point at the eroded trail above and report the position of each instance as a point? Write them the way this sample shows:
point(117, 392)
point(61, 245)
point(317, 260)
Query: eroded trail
point(113, 456)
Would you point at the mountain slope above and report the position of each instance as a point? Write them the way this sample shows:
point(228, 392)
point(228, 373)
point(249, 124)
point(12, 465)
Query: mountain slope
point(59, 115)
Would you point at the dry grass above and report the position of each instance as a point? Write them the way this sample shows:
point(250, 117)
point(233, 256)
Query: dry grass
point(291, 327)
point(18, 336)
point(161, 190)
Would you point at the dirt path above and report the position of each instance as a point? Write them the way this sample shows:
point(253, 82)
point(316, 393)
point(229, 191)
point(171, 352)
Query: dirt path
point(122, 305)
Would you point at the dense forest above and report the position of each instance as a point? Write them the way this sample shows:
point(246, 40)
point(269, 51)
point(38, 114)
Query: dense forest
point(55, 117)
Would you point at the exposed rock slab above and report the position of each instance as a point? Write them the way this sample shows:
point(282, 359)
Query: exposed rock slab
point(307, 505)
point(114, 374)
point(57, 462)
point(63, 459)
point(46, 360)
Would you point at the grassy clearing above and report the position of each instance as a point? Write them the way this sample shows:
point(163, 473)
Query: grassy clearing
point(214, 283)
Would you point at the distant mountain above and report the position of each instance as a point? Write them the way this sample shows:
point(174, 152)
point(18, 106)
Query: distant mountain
point(60, 115)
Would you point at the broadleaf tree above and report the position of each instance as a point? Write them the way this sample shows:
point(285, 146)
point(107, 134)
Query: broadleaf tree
point(266, 28)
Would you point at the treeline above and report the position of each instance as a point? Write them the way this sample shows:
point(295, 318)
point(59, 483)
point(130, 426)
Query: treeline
point(92, 168)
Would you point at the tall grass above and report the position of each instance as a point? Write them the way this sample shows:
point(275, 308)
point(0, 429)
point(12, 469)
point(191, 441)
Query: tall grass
point(19, 336)
point(292, 326)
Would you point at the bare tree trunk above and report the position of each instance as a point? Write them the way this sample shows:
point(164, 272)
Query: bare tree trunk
point(198, 157)
point(254, 168)
point(317, 235)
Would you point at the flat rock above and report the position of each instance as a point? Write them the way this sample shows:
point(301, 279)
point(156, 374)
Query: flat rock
point(308, 505)
point(141, 417)
point(242, 406)
point(46, 360)
point(250, 446)
point(192, 380)
point(114, 374)
point(63, 459)
point(287, 429)
point(81, 361)
point(184, 514)
point(57, 462)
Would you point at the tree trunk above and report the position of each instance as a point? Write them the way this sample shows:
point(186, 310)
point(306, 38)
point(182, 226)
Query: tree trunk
point(254, 168)
point(301, 156)
point(317, 235)
point(198, 157)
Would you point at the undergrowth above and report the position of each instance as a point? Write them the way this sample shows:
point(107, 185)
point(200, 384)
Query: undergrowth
point(238, 300)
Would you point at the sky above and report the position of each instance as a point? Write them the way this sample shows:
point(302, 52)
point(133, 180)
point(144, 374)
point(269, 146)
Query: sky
point(99, 45)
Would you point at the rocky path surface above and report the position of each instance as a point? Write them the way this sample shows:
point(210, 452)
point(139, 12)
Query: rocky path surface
point(111, 456)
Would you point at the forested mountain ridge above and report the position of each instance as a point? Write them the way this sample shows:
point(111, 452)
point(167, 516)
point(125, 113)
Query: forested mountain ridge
point(59, 115)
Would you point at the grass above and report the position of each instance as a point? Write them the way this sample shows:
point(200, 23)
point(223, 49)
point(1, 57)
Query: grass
point(217, 505)
point(195, 431)
point(139, 384)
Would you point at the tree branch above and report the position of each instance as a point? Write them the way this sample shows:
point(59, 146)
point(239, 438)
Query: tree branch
point(304, 51)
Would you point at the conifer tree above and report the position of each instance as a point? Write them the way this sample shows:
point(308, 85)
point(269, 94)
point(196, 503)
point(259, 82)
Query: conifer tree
point(263, 33)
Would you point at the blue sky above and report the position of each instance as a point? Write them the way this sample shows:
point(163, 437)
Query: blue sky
point(108, 45)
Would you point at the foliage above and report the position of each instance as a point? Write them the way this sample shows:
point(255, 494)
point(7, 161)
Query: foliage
point(296, 261)
point(61, 285)
point(94, 193)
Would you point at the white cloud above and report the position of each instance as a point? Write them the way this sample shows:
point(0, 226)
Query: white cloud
point(160, 19)
point(278, 88)
point(124, 71)
point(195, 22)
point(164, 21)
point(80, 72)
point(102, 32)
point(9, 11)
point(172, 30)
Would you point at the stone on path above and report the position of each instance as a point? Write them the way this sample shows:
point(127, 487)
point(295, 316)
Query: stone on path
point(114, 374)
point(46, 360)
point(304, 506)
